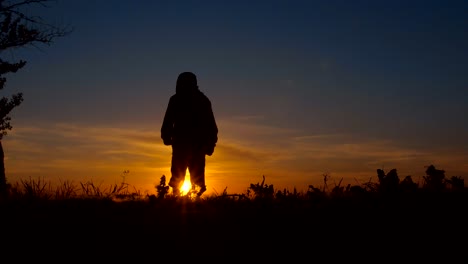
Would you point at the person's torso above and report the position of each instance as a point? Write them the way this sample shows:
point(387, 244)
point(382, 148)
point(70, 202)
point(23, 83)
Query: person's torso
point(191, 114)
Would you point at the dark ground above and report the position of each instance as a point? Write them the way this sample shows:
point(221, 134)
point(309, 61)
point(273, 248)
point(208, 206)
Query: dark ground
point(417, 230)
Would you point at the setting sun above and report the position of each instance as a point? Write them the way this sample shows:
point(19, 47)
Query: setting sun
point(186, 186)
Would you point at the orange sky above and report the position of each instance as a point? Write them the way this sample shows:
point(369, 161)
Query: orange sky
point(299, 89)
point(246, 150)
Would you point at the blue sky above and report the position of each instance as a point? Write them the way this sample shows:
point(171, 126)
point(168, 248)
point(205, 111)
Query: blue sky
point(299, 89)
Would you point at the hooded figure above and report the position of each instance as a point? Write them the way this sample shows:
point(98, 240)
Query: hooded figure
point(190, 128)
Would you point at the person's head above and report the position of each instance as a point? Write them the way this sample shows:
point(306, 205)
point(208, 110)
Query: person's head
point(186, 82)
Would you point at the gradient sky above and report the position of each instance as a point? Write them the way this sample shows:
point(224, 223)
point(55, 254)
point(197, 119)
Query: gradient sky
point(299, 89)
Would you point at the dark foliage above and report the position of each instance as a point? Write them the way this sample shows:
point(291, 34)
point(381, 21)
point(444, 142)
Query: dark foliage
point(162, 189)
point(17, 30)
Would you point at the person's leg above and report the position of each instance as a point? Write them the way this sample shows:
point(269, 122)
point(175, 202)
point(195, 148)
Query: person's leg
point(197, 172)
point(178, 169)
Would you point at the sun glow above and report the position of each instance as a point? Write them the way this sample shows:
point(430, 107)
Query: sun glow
point(186, 186)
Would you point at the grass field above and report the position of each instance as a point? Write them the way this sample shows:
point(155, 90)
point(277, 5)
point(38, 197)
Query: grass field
point(383, 222)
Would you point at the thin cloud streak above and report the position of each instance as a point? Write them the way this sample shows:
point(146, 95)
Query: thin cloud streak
point(246, 151)
point(80, 153)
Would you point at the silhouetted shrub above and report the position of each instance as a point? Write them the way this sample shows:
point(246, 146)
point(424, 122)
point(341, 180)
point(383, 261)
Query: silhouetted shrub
point(435, 179)
point(262, 190)
point(457, 183)
point(407, 185)
point(338, 190)
point(388, 183)
point(162, 189)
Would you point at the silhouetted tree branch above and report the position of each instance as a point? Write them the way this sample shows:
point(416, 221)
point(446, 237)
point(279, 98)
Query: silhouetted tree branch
point(17, 30)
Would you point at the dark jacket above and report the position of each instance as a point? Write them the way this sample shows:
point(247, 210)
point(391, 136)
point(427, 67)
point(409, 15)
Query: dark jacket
point(189, 122)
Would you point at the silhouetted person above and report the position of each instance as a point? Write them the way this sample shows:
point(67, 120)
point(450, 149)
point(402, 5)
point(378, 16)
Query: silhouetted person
point(190, 127)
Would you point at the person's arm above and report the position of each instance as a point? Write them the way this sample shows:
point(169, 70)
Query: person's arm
point(168, 124)
point(212, 129)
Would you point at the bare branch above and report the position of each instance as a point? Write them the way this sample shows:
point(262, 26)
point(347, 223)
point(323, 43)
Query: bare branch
point(27, 2)
point(18, 29)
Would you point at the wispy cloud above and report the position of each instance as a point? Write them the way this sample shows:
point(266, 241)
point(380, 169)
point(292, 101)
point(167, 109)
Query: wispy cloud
point(247, 149)
point(291, 156)
point(78, 152)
